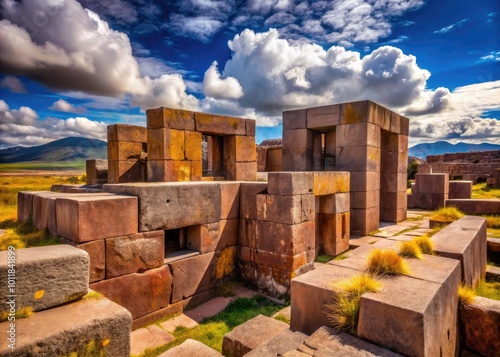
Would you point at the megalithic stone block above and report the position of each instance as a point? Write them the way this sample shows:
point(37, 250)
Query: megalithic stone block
point(72, 329)
point(219, 125)
point(126, 132)
point(25, 205)
point(82, 218)
point(170, 118)
point(44, 276)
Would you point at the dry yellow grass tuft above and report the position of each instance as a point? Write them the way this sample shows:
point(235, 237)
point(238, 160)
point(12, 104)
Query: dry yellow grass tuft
point(447, 214)
point(386, 262)
point(425, 244)
point(466, 294)
point(410, 250)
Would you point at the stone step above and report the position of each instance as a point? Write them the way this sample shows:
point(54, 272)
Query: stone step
point(43, 277)
point(87, 326)
point(251, 334)
point(191, 348)
point(493, 273)
point(148, 337)
point(329, 342)
point(283, 342)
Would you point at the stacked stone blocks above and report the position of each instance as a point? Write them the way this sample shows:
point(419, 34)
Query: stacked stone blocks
point(126, 153)
point(430, 192)
point(363, 138)
point(175, 146)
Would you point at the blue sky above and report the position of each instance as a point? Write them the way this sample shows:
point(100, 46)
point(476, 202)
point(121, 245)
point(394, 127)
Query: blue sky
point(69, 68)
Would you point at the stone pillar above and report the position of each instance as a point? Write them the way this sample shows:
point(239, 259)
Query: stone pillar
point(96, 171)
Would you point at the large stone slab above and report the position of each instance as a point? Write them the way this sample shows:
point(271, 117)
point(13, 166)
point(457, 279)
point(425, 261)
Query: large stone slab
point(85, 218)
point(192, 276)
point(42, 277)
point(134, 253)
point(141, 294)
point(412, 316)
point(481, 324)
point(191, 348)
point(329, 342)
point(72, 329)
point(251, 334)
point(279, 344)
point(174, 204)
point(25, 205)
point(465, 240)
point(305, 316)
point(475, 206)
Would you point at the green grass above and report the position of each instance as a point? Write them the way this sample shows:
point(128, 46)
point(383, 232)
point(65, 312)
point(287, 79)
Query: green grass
point(490, 290)
point(409, 229)
point(325, 258)
point(17, 234)
point(481, 191)
point(212, 330)
point(41, 165)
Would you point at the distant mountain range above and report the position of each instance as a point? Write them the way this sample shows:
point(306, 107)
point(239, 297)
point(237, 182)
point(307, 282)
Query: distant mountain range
point(443, 147)
point(67, 149)
point(77, 149)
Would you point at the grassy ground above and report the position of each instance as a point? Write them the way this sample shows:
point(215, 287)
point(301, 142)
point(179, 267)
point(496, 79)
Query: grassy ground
point(481, 191)
point(17, 234)
point(212, 330)
point(40, 165)
point(488, 289)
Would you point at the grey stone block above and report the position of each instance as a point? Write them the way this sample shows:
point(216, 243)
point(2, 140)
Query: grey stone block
point(278, 345)
point(72, 329)
point(44, 276)
point(172, 205)
point(191, 348)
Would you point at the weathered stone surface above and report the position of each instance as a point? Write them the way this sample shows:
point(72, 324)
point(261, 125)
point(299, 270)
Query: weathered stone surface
point(475, 206)
point(324, 117)
point(170, 310)
point(359, 134)
point(465, 240)
point(248, 195)
point(96, 252)
point(192, 276)
point(230, 200)
point(166, 144)
point(295, 119)
point(96, 171)
point(239, 148)
point(305, 316)
point(72, 328)
point(251, 334)
point(170, 118)
point(148, 337)
point(128, 291)
point(126, 171)
point(247, 229)
point(191, 348)
point(334, 232)
point(165, 205)
point(44, 276)
point(285, 238)
point(337, 203)
point(412, 316)
point(124, 150)
point(25, 205)
point(41, 211)
point(219, 125)
point(127, 132)
point(290, 183)
point(86, 218)
point(329, 342)
point(285, 209)
point(169, 170)
point(364, 221)
point(134, 253)
point(279, 344)
point(481, 324)
point(328, 183)
point(493, 245)
point(460, 190)
point(225, 262)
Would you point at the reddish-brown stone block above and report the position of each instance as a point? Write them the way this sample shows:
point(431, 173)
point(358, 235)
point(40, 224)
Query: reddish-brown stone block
point(126, 171)
point(97, 255)
point(285, 238)
point(297, 139)
point(134, 253)
point(166, 144)
point(392, 182)
point(327, 183)
point(196, 170)
point(24, 205)
point(245, 171)
point(247, 232)
point(203, 238)
point(336, 203)
point(228, 233)
point(358, 134)
point(192, 276)
point(393, 215)
point(239, 148)
point(126, 132)
point(334, 232)
point(219, 125)
point(364, 221)
point(248, 194)
point(230, 199)
point(250, 127)
point(366, 199)
point(290, 183)
point(285, 209)
point(297, 159)
point(366, 181)
point(323, 117)
point(225, 262)
point(83, 219)
point(170, 118)
point(169, 171)
point(128, 291)
point(355, 112)
point(358, 158)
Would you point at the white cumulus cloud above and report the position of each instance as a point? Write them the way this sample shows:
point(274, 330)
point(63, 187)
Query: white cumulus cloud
point(63, 106)
point(216, 87)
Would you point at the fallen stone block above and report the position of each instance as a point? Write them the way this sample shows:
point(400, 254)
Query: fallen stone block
point(481, 324)
point(251, 334)
point(192, 276)
point(164, 205)
point(128, 291)
point(475, 206)
point(279, 344)
point(96, 325)
point(148, 337)
point(465, 240)
point(134, 253)
point(86, 218)
point(43, 277)
point(330, 342)
point(191, 348)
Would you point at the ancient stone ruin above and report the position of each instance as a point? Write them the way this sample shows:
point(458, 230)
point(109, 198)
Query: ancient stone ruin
point(182, 212)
